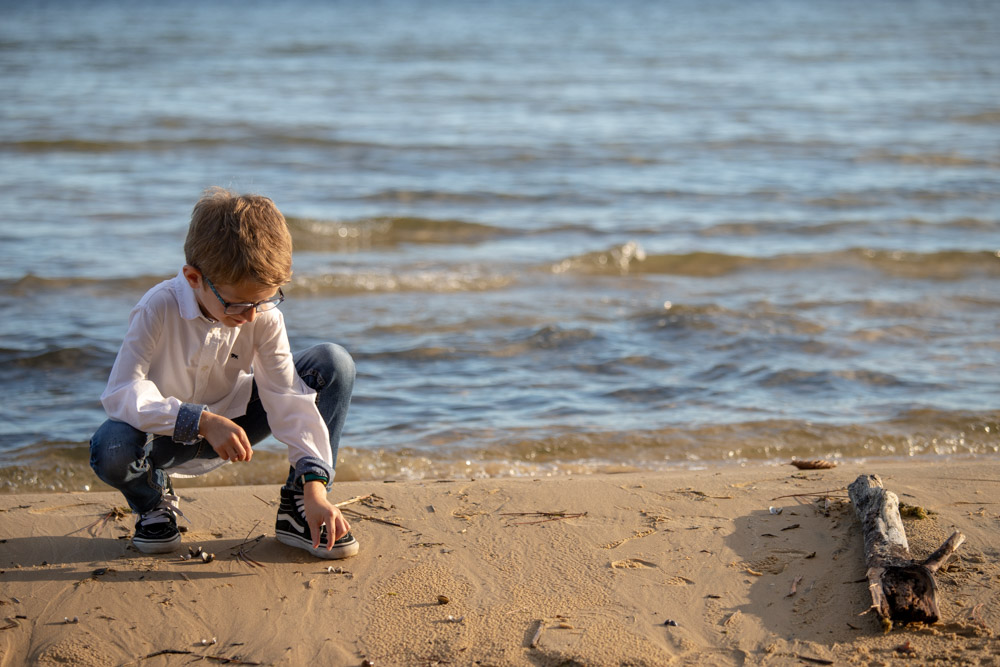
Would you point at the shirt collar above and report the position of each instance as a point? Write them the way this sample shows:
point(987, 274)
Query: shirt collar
point(187, 303)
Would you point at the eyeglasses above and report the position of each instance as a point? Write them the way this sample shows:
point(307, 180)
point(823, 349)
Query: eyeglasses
point(240, 308)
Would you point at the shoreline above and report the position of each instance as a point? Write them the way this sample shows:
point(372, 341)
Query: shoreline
point(271, 466)
point(564, 570)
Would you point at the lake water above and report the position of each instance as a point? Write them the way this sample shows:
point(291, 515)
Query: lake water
point(557, 237)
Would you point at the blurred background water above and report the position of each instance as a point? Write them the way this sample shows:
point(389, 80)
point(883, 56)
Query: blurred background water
point(557, 237)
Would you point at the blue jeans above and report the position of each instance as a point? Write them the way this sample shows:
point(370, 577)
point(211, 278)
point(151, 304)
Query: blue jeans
point(125, 458)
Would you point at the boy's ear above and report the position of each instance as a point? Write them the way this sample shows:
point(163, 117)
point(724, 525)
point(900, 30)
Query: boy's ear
point(193, 276)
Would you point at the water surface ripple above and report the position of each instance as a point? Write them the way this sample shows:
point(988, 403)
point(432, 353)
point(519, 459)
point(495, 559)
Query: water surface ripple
point(557, 237)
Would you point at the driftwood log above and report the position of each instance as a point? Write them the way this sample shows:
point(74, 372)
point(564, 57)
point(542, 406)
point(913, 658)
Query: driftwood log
point(902, 589)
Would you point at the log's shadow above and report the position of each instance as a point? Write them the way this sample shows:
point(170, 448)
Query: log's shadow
point(803, 566)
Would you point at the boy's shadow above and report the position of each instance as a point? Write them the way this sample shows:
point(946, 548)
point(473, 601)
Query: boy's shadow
point(79, 558)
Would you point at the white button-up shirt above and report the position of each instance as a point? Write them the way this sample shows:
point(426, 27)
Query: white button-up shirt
point(174, 361)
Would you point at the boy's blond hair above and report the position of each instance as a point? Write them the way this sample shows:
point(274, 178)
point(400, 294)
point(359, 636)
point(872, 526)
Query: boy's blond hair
point(235, 239)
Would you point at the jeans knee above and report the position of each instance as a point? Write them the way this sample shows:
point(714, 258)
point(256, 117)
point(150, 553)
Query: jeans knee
point(343, 362)
point(115, 448)
point(335, 365)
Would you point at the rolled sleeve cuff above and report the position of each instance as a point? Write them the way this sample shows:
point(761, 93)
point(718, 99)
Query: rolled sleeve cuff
point(188, 421)
point(309, 465)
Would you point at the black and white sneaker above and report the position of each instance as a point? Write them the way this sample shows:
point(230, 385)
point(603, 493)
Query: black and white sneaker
point(291, 528)
point(156, 530)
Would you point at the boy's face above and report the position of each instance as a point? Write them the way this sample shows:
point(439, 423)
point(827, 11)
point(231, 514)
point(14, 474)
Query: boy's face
point(211, 303)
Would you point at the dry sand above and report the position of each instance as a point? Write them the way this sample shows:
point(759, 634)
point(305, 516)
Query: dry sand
point(675, 568)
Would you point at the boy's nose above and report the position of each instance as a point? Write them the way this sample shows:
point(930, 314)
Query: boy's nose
point(247, 316)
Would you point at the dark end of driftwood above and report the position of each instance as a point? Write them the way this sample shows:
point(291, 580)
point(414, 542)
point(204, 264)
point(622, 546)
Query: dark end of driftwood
point(902, 590)
point(912, 594)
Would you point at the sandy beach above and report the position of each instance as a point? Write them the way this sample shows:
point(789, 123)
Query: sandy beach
point(682, 568)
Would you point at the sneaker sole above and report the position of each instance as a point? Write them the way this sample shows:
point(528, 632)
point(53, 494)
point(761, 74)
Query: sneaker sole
point(299, 542)
point(159, 547)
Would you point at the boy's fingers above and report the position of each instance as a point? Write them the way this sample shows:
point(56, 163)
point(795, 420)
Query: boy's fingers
point(238, 449)
point(343, 528)
point(330, 530)
point(315, 529)
point(245, 445)
point(333, 528)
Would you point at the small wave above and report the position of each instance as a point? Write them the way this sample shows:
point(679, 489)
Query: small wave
point(761, 330)
point(873, 199)
point(682, 317)
point(412, 354)
point(896, 334)
point(983, 118)
point(65, 357)
point(226, 138)
point(832, 227)
point(30, 283)
point(942, 265)
point(966, 223)
point(798, 380)
point(768, 228)
point(963, 224)
point(432, 323)
point(842, 201)
point(914, 433)
point(367, 233)
point(928, 159)
point(651, 395)
point(546, 338)
point(63, 466)
point(438, 196)
point(617, 260)
point(107, 146)
point(553, 337)
point(630, 258)
point(430, 280)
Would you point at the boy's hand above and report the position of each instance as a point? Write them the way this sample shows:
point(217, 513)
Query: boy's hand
point(227, 438)
point(319, 511)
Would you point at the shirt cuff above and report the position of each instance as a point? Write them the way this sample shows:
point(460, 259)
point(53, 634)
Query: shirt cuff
point(188, 421)
point(314, 467)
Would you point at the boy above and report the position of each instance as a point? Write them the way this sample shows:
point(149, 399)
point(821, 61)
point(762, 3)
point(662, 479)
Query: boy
point(205, 372)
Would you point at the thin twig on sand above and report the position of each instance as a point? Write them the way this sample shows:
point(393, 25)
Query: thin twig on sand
point(95, 527)
point(354, 514)
point(173, 651)
point(269, 503)
point(351, 501)
point(833, 493)
point(544, 516)
point(538, 634)
point(242, 554)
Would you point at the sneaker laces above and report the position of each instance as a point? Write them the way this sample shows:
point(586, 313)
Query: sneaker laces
point(164, 512)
